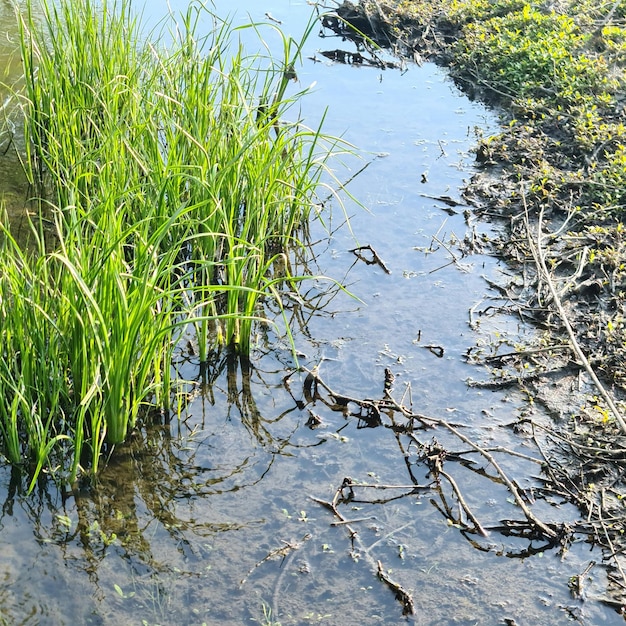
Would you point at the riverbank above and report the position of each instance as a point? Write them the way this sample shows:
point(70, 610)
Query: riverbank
point(555, 179)
point(556, 76)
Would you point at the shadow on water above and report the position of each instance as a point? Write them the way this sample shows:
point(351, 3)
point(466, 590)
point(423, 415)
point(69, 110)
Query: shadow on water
point(144, 507)
point(224, 517)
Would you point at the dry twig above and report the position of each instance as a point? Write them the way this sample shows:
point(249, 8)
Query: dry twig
point(311, 391)
point(539, 257)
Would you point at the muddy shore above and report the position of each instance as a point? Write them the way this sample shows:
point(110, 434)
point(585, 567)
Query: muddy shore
point(559, 159)
point(554, 179)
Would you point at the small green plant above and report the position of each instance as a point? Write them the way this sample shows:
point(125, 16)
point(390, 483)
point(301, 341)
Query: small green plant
point(532, 53)
point(266, 620)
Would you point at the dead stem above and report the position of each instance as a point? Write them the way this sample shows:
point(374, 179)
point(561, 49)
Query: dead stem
point(375, 260)
point(545, 529)
point(538, 254)
point(463, 504)
point(282, 551)
point(313, 384)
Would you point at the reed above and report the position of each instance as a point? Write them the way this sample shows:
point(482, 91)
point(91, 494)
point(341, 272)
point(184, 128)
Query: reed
point(172, 190)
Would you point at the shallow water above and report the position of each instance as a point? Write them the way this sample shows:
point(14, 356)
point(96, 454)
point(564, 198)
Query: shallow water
point(212, 520)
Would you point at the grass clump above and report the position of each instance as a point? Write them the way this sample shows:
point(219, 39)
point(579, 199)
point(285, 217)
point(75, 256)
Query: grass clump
point(172, 189)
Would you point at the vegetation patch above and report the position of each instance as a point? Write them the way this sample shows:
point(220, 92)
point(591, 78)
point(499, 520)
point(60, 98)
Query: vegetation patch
point(172, 190)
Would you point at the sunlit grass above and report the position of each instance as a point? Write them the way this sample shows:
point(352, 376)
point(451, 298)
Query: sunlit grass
point(171, 188)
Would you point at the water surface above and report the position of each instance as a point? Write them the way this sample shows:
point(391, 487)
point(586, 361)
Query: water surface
point(212, 520)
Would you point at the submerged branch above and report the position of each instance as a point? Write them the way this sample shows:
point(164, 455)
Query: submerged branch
point(464, 504)
point(314, 387)
point(401, 594)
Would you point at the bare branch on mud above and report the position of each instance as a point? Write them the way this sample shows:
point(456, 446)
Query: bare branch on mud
point(432, 457)
point(614, 555)
point(577, 583)
point(544, 528)
point(602, 502)
point(505, 381)
point(447, 200)
point(503, 356)
point(538, 254)
point(503, 450)
point(598, 453)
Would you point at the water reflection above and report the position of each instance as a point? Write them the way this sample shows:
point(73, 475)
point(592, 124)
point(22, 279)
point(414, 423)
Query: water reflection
point(14, 190)
point(183, 513)
point(151, 499)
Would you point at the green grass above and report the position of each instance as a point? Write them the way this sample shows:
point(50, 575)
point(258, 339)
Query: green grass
point(172, 190)
point(559, 72)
